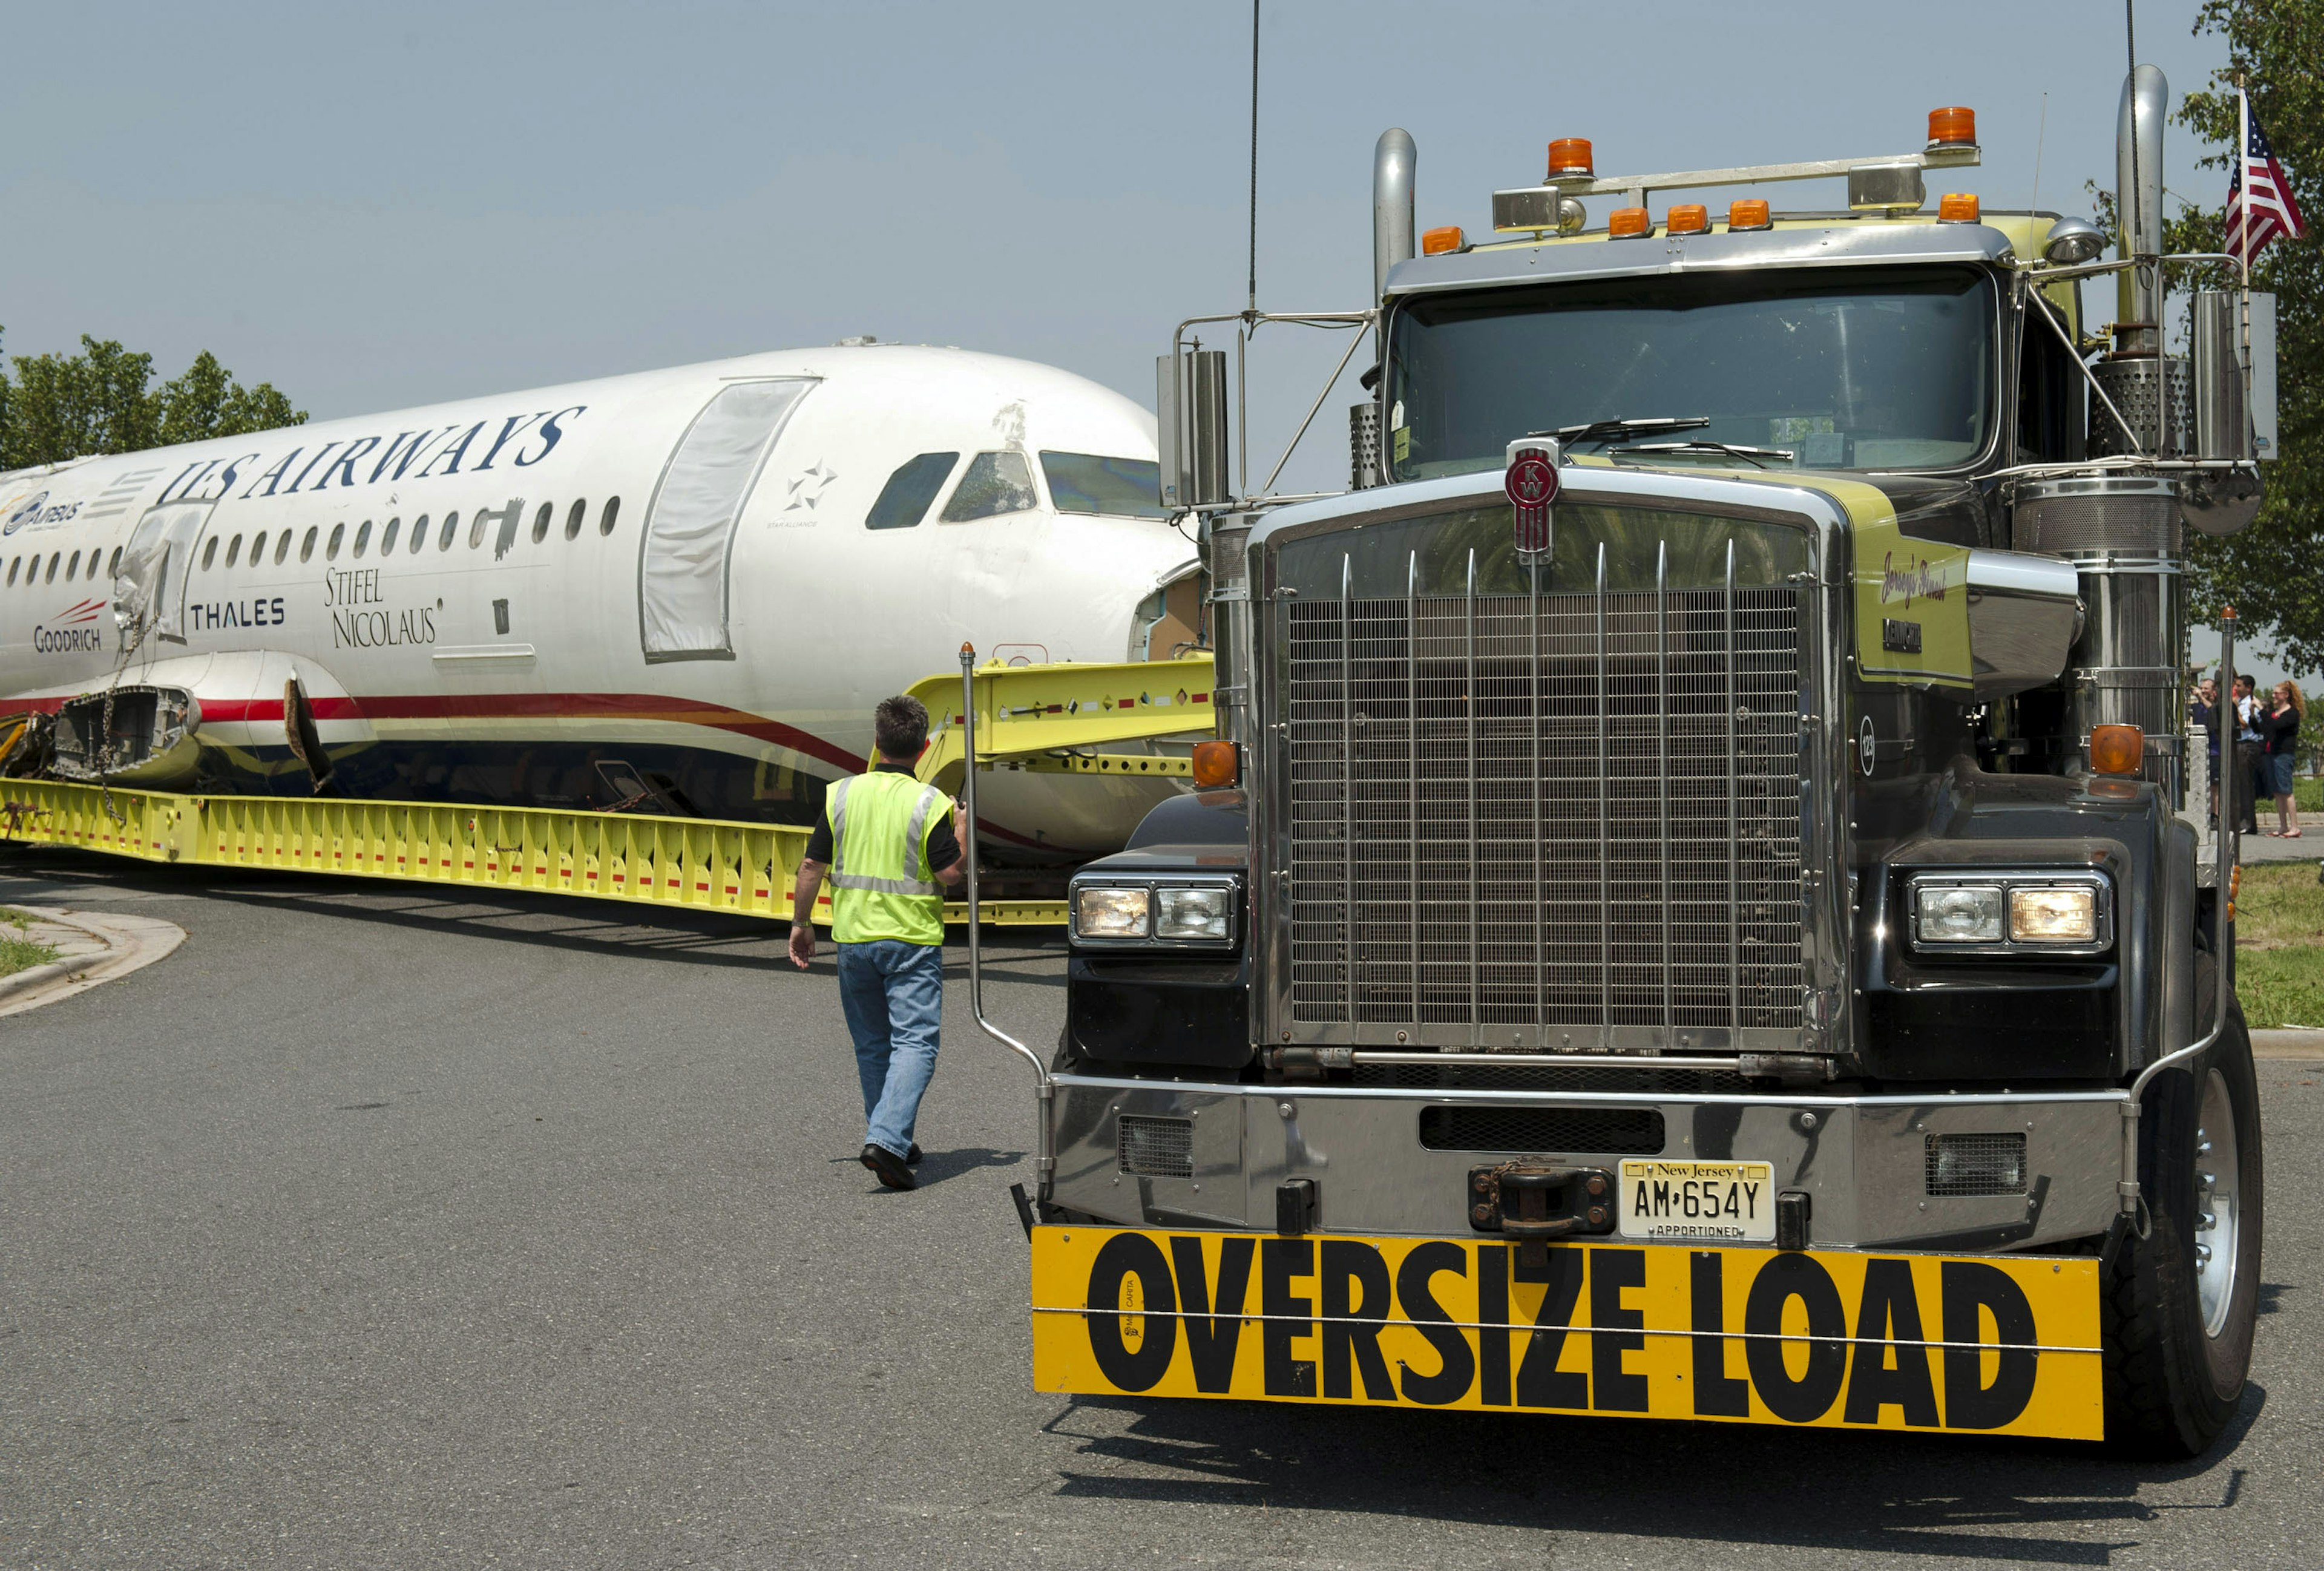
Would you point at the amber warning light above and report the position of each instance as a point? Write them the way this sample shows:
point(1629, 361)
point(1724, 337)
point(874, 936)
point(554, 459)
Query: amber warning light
point(1215, 765)
point(1952, 126)
point(2116, 749)
point(1570, 155)
point(1532, 485)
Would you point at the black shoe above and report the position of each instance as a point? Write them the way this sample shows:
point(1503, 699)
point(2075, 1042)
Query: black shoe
point(912, 1157)
point(889, 1167)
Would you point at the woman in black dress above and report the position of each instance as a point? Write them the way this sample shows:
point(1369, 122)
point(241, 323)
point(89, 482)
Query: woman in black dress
point(2279, 729)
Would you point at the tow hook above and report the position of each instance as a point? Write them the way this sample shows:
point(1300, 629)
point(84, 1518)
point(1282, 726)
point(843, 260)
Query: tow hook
point(1533, 1202)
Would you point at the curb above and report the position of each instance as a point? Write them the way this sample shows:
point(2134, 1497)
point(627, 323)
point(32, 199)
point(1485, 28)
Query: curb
point(2288, 1043)
point(40, 976)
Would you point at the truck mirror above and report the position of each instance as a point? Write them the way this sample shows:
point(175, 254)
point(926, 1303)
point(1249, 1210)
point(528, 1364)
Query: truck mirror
point(1191, 420)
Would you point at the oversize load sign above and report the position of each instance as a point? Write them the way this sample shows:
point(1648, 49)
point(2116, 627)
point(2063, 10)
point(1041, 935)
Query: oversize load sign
point(1998, 1344)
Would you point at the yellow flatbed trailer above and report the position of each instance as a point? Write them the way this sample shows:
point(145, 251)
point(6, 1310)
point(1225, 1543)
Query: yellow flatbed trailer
point(1045, 717)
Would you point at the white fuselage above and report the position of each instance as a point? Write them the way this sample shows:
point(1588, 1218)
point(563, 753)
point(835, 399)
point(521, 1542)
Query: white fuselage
point(670, 573)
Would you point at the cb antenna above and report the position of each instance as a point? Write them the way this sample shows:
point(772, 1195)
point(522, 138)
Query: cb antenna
point(1251, 306)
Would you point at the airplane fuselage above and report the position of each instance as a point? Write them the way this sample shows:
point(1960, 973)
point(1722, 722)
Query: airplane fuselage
point(692, 583)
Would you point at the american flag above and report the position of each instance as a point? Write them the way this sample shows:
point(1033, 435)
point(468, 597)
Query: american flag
point(2259, 193)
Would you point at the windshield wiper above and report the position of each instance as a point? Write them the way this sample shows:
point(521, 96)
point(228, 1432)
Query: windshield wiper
point(1704, 445)
point(1599, 432)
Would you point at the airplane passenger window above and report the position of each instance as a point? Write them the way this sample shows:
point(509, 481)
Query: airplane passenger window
point(904, 500)
point(331, 550)
point(232, 550)
point(114, 570)
point(1117, 488)
point(72, 567)
point(54, 558)
point(387, 537)
point(418, 533)
point(476, 529)
point(14, 562)
point(363, 536)
point(995, 484)
point(282, 547)
point(307, 546)
point(451, 528)
point(540, 522)
point(573, 519)
point(209, 553)
point(605, 518)
point(257, 548)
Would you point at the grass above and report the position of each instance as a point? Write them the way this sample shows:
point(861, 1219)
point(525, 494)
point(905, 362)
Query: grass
point(2308, 793)
point(17, 952)
point(2280, 944)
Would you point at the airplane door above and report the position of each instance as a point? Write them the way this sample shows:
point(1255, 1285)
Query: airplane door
point(686, 553)
point(151, 587)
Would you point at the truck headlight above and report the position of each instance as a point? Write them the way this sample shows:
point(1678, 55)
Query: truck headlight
point(1163, 911)
point(1960, 914)
point(1110, 913)
point(1192, 913)
point(2011, 913)
point(2062, 915)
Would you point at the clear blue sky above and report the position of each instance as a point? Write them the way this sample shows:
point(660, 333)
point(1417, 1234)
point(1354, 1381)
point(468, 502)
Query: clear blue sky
point(377, 206)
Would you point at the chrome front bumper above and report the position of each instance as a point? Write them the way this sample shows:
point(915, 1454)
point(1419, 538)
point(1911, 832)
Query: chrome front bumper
point(1862, 1159)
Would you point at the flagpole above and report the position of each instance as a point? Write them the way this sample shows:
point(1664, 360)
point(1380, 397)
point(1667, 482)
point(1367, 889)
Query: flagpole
point(2243, 235)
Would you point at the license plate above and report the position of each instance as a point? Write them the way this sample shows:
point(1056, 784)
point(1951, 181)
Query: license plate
point(1728, 1202)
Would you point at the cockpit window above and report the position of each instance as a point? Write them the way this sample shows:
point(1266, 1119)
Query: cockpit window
point(1122, 487)
point(995, 484)
point(904, 499)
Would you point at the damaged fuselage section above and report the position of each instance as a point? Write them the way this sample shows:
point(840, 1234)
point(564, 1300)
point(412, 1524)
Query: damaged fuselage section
point(134, 734)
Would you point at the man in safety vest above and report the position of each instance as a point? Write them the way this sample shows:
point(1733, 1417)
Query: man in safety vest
point(889, 845)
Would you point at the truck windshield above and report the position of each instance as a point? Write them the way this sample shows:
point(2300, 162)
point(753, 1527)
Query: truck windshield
point(1845, 369)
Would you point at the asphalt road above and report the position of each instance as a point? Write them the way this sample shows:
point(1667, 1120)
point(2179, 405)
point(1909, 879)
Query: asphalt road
point(378, 1228)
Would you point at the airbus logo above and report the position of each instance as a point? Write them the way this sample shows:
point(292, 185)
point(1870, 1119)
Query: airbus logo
point(26, 512)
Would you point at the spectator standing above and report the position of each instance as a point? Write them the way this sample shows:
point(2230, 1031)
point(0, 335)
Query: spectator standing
point(2200, 716)
point(2280, 728)
point(2253, 778)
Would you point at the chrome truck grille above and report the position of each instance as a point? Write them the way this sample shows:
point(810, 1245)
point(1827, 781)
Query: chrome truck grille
point(1559, 821)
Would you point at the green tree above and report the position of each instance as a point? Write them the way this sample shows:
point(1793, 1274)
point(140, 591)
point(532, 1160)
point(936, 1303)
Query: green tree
point(2271, 571)
point(208, 402)
point(103, 400)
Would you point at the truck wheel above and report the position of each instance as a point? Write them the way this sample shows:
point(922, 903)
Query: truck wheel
point(2180, 1304)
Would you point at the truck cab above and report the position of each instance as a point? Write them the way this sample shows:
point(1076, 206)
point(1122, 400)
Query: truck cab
point(1778, 837)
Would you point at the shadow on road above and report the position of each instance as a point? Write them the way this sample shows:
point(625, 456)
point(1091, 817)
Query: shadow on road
point(541, 918)
point(2035, 1503)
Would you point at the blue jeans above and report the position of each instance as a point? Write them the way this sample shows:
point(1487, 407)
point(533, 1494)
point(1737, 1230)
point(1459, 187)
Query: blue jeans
point(893, 995)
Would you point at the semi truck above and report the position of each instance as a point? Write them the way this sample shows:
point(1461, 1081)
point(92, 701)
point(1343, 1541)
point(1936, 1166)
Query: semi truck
point(1703, 901)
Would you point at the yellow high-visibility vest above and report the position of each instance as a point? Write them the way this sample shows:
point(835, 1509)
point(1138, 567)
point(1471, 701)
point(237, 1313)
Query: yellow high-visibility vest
point(882, 885)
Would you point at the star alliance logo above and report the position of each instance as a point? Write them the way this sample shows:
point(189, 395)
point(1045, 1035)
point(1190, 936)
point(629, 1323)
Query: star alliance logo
point(808, 488)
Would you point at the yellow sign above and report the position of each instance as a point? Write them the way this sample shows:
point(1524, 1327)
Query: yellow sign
point(1994, 1344)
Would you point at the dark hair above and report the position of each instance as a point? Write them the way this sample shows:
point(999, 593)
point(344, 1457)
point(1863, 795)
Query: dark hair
point(900, 726)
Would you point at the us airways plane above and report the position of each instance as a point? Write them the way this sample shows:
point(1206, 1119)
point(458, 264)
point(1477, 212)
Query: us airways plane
point(677, 592)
